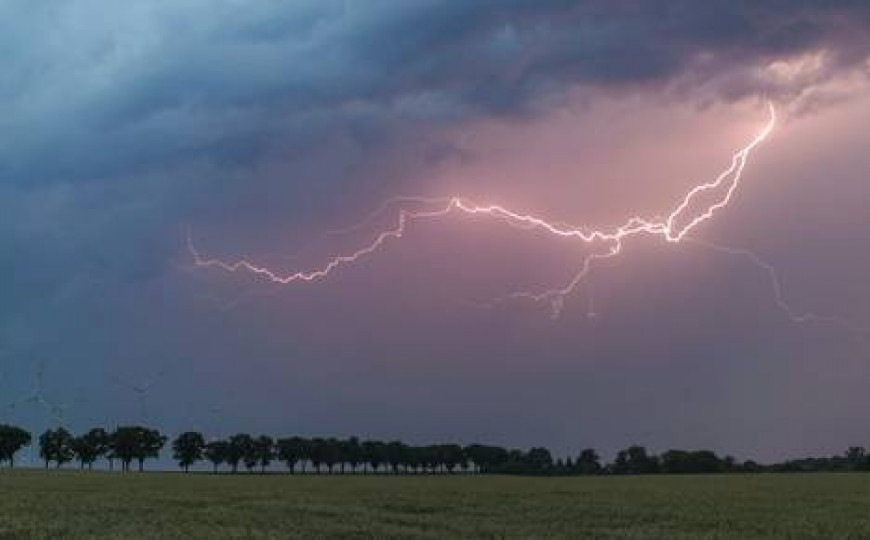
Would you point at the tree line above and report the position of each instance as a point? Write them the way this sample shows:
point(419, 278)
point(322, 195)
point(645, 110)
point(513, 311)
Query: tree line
point(329, 455)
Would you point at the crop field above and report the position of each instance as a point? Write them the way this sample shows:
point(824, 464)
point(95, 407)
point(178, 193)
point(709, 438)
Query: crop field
point(65, 504)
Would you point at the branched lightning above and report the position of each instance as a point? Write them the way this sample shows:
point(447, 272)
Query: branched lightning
point(776, 286)
point(696, 207)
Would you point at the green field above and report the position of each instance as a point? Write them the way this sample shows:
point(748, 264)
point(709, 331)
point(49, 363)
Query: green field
point(70, 504)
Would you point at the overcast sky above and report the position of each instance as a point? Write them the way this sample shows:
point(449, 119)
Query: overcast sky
point(257, 126)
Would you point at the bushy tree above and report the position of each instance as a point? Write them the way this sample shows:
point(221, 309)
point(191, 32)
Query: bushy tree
point(691, 462)
point(12, 439)
point(396, 454)
point(635, 460)
point(539, 459)
point(90, 446)
point(486, 458)
point(56, 445)
point(588, 462)
point(331, 453)
point(264, 450)
point(187, 449)
point(857, 458)
point(291, 450)
point(136, 442)
point(374, 454)
point(241, 447)
point(353, 453)
point(316, 449)
point(217, 452)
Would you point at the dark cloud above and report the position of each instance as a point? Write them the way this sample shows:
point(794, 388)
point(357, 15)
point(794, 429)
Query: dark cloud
point(107, 90)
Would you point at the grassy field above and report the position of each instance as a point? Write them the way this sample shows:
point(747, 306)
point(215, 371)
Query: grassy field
point(70, 504)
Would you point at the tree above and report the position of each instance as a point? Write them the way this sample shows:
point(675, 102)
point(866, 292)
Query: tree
point(305, 457)
point(264, 449)
point(414, 458)
point(373, 454)
point(216, 452)
point(331, 453)
point(240, 448)
point(426, 458)
point(691, 462)
point(635, 460)
point(12, 439)
point(451, 455)
point(136, 442)
point(857, 458)
point(187, 449)
point(487, 459)
point(396, 454)
point(466, 462)
point(90, 446)
point(588, 462)
point(291, 451)
point(150, 444)
point(316, 449)
point(353, 453)
point(539, 459)
point(123, 445)
point(56, 445)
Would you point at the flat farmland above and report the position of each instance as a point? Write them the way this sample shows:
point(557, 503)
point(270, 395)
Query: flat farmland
point(67, 504)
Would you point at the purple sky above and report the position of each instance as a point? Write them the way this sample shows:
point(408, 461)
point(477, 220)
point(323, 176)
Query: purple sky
point(261, 126)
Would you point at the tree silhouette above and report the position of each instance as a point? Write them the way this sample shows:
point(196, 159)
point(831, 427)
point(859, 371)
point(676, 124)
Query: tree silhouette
point(373, 454)
point(264, 450)
point(250, 457)
point(396, 454)
point(187, 449)
point(316, 449)
point(150, 444)
point(56, 445)
point(588, 462)
point(353, 453)
point(240, 448)
point(291, 450)
point(216, 452)
point(136, 442)
point(539, 458)
point(123, 445)
point(90, 446)
point(857, 458)
point(486, 458)
point(635, 460)
point(129, 443)
point(451, 455)
point(691, 462)
point(331, 453)
point(12, 439)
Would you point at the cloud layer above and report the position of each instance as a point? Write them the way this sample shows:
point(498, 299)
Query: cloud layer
point(122, 124)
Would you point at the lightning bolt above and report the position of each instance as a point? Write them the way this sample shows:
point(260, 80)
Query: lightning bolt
point(700, 204)
point(688, 213)
point(798, 317)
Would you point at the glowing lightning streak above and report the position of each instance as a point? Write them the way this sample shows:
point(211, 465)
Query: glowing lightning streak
point(674, 228)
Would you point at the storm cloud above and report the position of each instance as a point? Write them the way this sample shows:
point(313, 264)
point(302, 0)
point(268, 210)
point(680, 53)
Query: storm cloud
point(122, 125)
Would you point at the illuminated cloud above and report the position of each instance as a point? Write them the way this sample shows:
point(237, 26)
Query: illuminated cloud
point(262, 123)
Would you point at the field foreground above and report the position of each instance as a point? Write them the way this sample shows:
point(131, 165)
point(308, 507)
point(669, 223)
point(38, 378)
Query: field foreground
point(70, 504)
